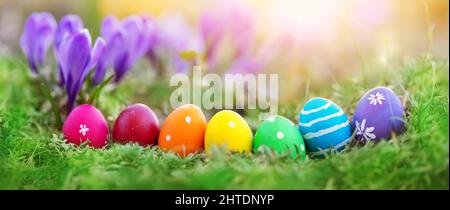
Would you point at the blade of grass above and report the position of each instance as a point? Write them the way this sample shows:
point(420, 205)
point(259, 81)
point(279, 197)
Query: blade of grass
point(96, 92)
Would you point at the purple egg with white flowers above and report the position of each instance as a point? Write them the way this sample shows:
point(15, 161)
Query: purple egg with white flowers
point(378, 115)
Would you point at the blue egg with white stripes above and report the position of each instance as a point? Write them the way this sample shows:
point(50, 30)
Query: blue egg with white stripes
point(324, 127)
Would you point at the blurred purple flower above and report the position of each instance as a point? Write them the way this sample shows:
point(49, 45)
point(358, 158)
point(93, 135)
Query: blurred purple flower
point(127, 41)
point(245, 65)
point(242, 30)
point(68, 25)
point(232, 23)
point(211, 31)
point(174, 36)
point(76, 59)
point(114, 36)
point(38, 35)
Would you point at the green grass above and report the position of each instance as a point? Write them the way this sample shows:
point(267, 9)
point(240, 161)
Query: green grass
point(34, 156)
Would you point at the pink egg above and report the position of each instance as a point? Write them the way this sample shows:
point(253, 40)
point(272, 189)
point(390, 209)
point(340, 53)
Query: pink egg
point(86, 122)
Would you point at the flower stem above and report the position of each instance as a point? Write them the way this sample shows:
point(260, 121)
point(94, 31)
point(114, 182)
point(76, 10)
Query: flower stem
point(47, 92)
point(96, 92)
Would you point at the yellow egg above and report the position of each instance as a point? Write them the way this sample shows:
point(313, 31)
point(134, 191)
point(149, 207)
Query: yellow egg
point(227, 129)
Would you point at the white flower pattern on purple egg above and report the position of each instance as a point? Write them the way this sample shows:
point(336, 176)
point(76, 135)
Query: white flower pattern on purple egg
point(376, 99)
point(366, 132)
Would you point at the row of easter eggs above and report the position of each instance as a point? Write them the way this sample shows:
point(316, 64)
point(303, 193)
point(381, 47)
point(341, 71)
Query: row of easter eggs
point(322, 125)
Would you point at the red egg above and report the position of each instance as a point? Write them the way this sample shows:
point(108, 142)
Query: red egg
point(86, 122)
point(136, 123)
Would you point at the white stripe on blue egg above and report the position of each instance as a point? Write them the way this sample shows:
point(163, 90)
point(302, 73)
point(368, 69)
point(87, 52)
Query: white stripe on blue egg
point(323, 124)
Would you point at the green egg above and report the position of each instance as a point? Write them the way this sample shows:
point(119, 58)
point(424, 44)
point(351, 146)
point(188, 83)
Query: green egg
point(280, 135)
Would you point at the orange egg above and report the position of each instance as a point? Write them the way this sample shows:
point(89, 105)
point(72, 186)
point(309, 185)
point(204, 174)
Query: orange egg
point(183, 131)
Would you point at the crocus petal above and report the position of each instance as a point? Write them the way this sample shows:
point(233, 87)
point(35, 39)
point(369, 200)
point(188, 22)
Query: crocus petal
point(180, 65)
point(150, 32)
point(37, 37)
point(137, 35)
point(120, 66)
point(62, 56)
point(133, 26)
point(241, 29)
point(69, 24)
point(97, 52)
point(28, 53)
point(211, 31)
point(211, 27)
point(46, 36)
point(246, 65)
point(118, 46)
point(127, 41)
point(79, 55)
point(27, 44)
point(74, 58)
point(109, 27)
point(112, 49)
point(146, 37)
point(175, 36)
point(100, 72)
point(139, 32)
point(119, 55)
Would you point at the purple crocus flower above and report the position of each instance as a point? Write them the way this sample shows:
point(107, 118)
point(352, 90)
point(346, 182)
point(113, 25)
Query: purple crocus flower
point(231, 25)
point(211, 31)
point(38, 35)
point(246, 65)
point(69, 25)
point(174, 36)
point(128, 41)
point(242, 30)
point(76, 59)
